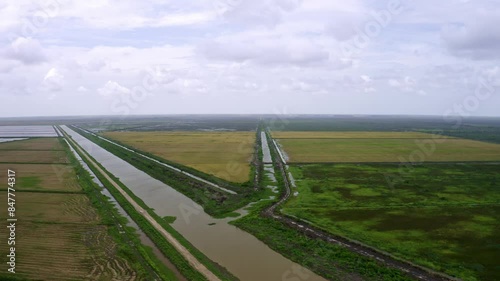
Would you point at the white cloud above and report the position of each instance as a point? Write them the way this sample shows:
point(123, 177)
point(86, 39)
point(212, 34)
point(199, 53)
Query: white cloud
point(53, 80)
point(232, 55)
point(394, 83)
point(82, 90)
point(95, 64)
point(112, 88)
point(477, 39)
point(370, 90)
point(126, 14)
point(266, 49)
point(366, 78)
point(26, 50)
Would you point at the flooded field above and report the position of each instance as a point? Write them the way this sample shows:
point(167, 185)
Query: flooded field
point(10, 139)
point(241, 253)
point(27, 131)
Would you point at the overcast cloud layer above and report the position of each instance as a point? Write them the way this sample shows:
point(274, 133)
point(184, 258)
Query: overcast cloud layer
point(122, 57)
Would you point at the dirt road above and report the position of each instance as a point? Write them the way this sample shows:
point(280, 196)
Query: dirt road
point(178, 246)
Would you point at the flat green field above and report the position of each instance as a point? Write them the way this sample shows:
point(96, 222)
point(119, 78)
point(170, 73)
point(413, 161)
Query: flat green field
point(346, 147)
point(226, 155)
point(443, 216)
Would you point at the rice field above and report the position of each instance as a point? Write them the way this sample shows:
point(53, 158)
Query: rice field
point(33, 144)
point(42, 177)
point(67, 252)
point(345, 147)
point(226, 155)
point(59, 234)
point(25, 156)
point(54, 207)
point(351, 135)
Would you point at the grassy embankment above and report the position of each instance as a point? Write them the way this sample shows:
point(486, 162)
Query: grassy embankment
point(215, 202)
point(130, 241)
point(168, 250)
point(330, 261)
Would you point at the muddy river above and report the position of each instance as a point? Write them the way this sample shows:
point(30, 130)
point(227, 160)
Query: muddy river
point(242, 254)
point(142, 236)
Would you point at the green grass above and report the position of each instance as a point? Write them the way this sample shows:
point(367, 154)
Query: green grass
point(330, 261)
point(66, 224)
point(30, 182)
point(442, 216)
point(130, 247)
point(165, 247)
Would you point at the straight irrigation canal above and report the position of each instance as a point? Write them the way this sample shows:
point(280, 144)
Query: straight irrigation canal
point(238, 251)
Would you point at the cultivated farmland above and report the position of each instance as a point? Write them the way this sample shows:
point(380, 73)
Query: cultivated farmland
point(351, 135)
point(59, 235)
point(33, 144)
point(226, 155)
point(326, 147)
point(441, 215)
point(25, 156)
point(40, 177)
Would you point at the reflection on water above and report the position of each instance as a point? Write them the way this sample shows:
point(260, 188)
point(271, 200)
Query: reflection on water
point(27, 131)
point(241, 253)
point(266, 153)
point(10, 139)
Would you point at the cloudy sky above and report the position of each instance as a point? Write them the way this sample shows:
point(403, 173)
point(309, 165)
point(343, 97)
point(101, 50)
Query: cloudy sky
point(120, 57)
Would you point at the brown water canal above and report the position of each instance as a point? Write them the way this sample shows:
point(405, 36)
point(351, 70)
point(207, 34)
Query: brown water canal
point(142, 236)
point(241, 253)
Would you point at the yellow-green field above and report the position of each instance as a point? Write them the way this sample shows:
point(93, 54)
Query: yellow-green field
point(33, 144)
point(27, 156)
point(324, 147)
point(59, 236)
point(55, 177)
point(349, 135)
point(56, 208)
point(226, 155)
point(67, 252)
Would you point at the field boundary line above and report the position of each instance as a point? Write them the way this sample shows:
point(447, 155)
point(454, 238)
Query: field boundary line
point(192, 260)
point(35, 163)
point(399, 206)
point(354, 138)
point(416, 271)
point(161, 163)
point(423, 163)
